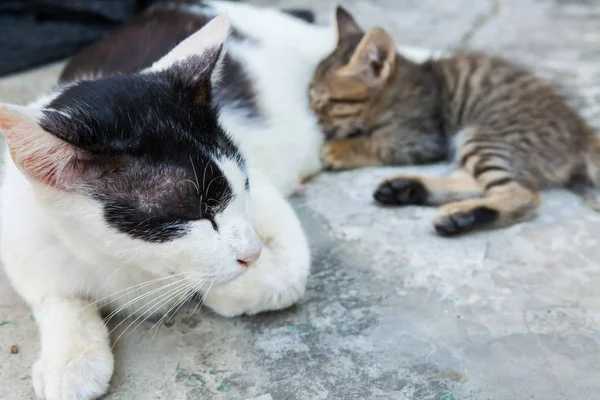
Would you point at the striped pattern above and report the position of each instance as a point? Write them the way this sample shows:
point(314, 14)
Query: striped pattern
point(508, 132)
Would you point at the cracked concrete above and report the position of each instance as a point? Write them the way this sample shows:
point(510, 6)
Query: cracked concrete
point(393, 311)
point(480, 22)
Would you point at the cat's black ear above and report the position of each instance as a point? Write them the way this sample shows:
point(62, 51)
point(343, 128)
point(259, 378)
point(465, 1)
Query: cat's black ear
point(374, 58)
point(197, 58)
point(40, 155)
point(346, 25)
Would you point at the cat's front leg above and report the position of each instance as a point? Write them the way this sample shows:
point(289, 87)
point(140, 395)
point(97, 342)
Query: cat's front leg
point(76, 361)
point(278, 278)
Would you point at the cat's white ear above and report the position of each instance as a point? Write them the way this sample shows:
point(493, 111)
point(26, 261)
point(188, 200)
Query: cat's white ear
point(203, 47)
point(374, 58)
point(40, 155)
point(345, 24)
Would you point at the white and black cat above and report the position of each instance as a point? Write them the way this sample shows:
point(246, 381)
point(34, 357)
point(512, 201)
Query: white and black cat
point(133, 187)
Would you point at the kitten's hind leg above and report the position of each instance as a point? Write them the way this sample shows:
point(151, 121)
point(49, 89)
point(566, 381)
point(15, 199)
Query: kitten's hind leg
point(506, 201)
point(405, 189)
point(503, 205)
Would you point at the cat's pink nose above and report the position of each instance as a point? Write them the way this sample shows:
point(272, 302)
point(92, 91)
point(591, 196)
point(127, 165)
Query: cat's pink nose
point(250, 247)
point(249, 258)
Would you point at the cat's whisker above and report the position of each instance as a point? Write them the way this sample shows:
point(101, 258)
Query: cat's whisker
point(156, 307)
point(204, 177)
point(192, 182)
point(139, 297)
point(202, 299)
point(116, 271)
point(210, 183)
point(80, 256)
point(153, 304)
point(130, 303)
point(143, 295)
point(183, 300)
point(131, 288)
point(196, 175)
point(128, 290)
point(194, 290)
point(148, 304)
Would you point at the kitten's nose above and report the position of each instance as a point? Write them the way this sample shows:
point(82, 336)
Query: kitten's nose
point(249, 252)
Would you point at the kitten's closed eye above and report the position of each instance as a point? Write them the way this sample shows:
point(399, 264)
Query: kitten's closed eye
point(356, 132)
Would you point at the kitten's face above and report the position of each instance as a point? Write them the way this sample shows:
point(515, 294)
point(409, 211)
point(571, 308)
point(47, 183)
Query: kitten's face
point(346, 84)
point(339, 101)
point(136, 170)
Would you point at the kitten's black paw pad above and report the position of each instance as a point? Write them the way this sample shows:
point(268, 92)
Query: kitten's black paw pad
point(401, 192)
point(461, 222)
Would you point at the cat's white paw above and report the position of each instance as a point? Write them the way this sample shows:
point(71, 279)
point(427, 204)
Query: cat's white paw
point(268, 285)
point(82, 374)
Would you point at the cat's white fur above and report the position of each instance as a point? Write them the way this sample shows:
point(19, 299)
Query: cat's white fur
point(66, 262)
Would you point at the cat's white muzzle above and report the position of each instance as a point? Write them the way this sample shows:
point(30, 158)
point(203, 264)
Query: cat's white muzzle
point(248, 246)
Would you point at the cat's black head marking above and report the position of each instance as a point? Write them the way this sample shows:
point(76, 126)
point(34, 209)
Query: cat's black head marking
point(157, 137)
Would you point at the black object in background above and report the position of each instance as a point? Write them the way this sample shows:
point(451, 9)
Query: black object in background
point(35, 32)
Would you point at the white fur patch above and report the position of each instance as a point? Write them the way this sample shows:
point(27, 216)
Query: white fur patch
point(212, 35)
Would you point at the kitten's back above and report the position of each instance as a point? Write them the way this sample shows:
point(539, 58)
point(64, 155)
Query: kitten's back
point(512, 111)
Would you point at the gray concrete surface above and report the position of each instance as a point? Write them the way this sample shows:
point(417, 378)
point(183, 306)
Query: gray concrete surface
point(392, 311)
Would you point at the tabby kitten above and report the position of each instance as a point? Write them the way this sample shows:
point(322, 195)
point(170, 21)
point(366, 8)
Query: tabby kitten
point(507, 132)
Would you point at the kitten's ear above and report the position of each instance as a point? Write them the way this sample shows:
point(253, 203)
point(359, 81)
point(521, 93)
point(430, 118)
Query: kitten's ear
point(202, 50)
point(346, 25)
point(40, 155)
point(374, 59)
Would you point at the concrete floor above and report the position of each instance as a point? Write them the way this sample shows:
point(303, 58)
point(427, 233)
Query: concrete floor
point(393, 311)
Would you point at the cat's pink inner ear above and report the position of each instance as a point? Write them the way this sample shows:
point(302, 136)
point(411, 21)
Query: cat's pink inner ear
point(39, 154)
point(374, 58)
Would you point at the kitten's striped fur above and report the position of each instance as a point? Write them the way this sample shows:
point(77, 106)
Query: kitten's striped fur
point(508, 132)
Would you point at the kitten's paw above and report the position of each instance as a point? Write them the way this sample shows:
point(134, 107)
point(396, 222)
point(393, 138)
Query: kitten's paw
point(77, 376)
point(336, 155)
point(401, 191)
point(450, 222)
